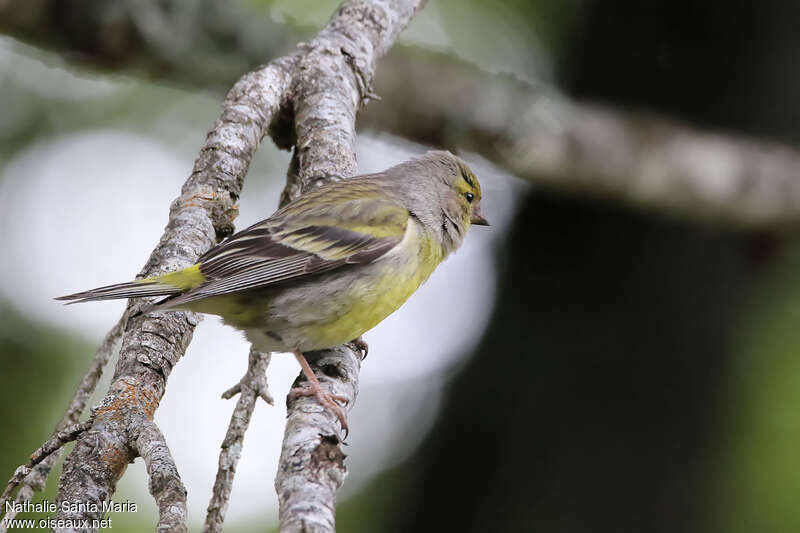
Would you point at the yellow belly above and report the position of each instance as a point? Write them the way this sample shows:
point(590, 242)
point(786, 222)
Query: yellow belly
point(304, 323)
point(368, 310)
point(333, 308)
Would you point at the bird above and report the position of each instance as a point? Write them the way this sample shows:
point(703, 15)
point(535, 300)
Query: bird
point(328, 266)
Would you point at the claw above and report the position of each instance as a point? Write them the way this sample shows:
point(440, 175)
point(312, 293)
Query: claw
point(361, 346)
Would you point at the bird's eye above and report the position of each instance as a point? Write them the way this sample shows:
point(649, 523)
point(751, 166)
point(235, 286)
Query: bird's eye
point(469, 196)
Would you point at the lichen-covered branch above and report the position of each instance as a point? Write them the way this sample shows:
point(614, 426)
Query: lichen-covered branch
point(154, 343)
point(318, 89)
point(166, 486)
point(250, 388)
point(332, 81)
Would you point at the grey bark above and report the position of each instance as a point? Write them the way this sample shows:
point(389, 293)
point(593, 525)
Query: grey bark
point(54, 443)
point(332, 81)
point(166, 486)
point(153, 344)
point(250, 388)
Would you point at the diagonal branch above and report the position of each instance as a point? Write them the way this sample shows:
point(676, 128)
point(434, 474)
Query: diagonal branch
point(325, 82)
point(317, 90)
point(54, 443)
point(154, 343)
point(24, 472)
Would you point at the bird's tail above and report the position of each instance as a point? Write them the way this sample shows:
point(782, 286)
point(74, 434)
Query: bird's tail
point(131, 289)
point(168, 284)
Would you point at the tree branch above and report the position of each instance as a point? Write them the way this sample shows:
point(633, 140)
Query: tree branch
point(637, 159)
point(190, 41)
point(166, 486)
point(537, 134)
point(325, 83)
point(154, 343)
point(332, 81)
point(54, 443)
point(250, 388)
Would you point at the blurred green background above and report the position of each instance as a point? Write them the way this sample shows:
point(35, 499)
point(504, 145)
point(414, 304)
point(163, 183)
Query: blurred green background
point(610, 370)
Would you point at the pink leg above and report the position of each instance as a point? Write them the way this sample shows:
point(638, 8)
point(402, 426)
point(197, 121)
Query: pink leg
point(314, 388)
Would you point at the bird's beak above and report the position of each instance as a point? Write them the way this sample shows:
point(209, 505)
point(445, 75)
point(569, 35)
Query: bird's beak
point(477, 218)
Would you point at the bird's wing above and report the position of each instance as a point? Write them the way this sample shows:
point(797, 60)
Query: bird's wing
point(316, 234)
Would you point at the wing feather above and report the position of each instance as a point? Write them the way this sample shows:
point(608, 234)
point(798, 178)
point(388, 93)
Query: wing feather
point(301, 240)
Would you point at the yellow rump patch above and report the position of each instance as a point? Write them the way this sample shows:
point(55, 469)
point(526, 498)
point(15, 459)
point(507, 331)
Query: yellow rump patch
point(187, 278)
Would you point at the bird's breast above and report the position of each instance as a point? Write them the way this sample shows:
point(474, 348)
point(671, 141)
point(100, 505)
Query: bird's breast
point(341, 306)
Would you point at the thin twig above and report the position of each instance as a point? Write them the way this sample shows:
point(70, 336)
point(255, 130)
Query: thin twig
point(250, 388)
point(255, 379)
point(36, 479)
point(59, 439)
point(165, 482)
point(24, 495)
point(85, 390)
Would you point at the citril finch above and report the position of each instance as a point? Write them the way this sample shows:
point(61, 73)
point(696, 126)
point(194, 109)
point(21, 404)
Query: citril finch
point(328, 266)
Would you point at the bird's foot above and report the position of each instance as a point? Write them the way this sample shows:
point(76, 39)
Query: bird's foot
point(361, 346)
point(325, 398)
point(312, 387)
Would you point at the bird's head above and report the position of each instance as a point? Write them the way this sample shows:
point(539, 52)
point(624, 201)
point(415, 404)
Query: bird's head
point(465, 192)
point(457, 196)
